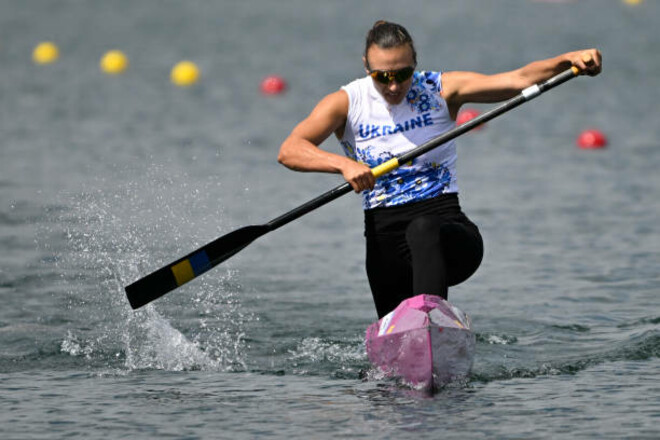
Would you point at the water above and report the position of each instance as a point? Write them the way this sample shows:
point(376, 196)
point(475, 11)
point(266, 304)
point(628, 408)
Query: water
point(103, 179)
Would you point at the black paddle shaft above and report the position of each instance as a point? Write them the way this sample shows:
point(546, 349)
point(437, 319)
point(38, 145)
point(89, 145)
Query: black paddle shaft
point(179, 272)
point(527, 95)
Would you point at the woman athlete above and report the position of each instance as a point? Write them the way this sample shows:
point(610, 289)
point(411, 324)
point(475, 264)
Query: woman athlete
point(418, 239)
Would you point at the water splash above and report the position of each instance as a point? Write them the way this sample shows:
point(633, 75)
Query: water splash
point(75, 347)
point(152, 343)
point(343, 358)
point(111, 237)
point(493, 339)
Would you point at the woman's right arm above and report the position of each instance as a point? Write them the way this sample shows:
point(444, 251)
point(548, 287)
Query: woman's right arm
point(300, 150)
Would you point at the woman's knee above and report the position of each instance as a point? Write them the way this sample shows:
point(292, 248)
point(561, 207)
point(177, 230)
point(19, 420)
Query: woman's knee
point(423, 231)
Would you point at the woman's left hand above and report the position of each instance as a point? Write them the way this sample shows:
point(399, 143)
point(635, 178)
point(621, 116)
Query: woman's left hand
point(589, 61)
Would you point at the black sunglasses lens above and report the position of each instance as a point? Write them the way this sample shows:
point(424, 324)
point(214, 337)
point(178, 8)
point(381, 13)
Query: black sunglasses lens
point(403, 74)
point(386, 77)
point(382, 77)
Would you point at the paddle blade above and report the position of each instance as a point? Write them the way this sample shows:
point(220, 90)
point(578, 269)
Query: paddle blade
point(185, 269)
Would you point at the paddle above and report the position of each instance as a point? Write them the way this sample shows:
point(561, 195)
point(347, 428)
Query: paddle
point(175, 274)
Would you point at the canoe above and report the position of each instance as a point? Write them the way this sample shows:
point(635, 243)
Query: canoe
point(426, 341)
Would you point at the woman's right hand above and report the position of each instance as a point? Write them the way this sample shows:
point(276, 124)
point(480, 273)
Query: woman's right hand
point(358, 175)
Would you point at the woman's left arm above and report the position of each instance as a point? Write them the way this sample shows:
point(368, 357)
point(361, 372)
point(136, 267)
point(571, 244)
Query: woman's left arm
point(459, 88)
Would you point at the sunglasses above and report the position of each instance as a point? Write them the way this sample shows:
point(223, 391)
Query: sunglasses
point(387, 76)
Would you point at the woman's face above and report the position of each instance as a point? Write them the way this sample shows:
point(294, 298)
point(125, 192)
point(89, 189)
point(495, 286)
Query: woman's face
point(391, 59)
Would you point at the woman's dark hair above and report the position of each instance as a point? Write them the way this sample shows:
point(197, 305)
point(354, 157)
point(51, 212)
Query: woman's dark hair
point(387, 35)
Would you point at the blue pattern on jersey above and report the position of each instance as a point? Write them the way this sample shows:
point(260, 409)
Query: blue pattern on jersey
point(421, 96)
point(413, 181)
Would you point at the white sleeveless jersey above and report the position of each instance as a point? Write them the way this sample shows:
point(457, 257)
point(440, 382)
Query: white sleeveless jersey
point(377, 131)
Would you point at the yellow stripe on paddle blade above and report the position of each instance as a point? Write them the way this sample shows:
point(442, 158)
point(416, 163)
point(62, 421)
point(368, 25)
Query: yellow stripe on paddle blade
point(183, 272)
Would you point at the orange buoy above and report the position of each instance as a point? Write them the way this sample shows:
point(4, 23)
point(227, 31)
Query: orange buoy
point(591, 139)
point(467, 115)
point(273, 85)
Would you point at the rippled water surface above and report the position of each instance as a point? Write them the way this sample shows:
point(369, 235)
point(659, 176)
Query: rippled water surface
point(106, 178)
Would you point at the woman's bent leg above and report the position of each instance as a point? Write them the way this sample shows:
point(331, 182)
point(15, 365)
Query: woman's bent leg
point(443, 254)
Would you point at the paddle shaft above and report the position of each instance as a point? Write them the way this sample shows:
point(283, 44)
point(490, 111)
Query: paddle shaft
point(183, 270)
point(392, 164)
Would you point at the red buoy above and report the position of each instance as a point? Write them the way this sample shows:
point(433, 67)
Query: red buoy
point(273, 85)
point(591, 139)
point(466, 115)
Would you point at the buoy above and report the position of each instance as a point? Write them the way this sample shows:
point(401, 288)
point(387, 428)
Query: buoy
point(114, 62)
point(467, 115)
point(273, 85)
point(185, 73)
point(632, 2)
point(591, 139)
point(45, 53)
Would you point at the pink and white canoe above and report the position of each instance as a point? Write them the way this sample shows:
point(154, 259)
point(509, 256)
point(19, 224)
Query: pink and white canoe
point(426, 341)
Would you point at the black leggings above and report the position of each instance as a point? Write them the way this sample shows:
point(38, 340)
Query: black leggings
point(421, 247)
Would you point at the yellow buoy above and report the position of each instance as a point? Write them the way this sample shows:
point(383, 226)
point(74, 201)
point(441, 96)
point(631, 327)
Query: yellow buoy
point(185, 73)
point(45, 53)
point(114, 62)
point(632, 2)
